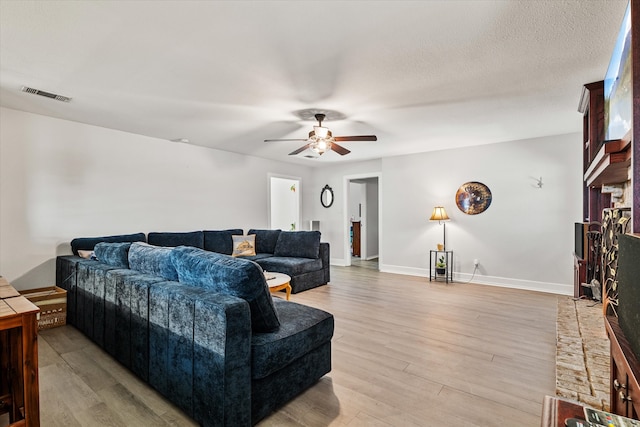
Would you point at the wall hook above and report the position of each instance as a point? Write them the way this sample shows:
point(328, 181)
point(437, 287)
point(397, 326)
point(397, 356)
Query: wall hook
point(539, 183)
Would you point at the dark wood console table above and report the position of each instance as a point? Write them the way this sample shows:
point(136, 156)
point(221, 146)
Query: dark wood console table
point(19, 392)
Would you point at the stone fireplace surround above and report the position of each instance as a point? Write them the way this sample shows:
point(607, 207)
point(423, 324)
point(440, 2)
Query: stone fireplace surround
point(583, 352)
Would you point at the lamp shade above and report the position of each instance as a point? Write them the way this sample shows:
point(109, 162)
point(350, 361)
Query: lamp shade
point(439, 214)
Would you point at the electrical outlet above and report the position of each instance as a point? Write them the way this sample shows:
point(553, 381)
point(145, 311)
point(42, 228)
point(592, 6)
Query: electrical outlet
point(476, 262)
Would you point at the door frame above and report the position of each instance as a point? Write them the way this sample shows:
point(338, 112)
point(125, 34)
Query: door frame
point(346, 219)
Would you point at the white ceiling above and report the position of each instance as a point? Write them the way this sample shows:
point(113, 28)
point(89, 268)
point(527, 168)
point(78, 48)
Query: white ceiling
point(421, 75)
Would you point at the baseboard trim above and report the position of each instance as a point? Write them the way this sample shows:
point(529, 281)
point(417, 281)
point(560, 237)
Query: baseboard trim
point(505, 282)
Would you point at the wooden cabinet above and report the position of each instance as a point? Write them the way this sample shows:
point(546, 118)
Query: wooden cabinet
point(355, 238)
point(625, 372)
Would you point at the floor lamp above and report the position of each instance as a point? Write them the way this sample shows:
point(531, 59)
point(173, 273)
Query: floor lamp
point(440, 215)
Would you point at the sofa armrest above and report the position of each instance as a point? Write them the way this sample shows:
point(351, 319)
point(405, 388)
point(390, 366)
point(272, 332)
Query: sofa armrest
point(325, 256)
point(66, 271)
point(200, 344)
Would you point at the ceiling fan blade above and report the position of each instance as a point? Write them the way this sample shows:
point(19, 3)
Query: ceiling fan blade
point(356, 138)
point(278, 140)
point(339, 149)
point(299, 150)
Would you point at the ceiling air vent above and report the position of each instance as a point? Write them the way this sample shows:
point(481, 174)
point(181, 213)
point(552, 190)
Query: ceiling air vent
point(46, 94)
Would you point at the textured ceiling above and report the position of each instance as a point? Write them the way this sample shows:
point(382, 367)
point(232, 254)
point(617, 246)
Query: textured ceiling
point(421, 75)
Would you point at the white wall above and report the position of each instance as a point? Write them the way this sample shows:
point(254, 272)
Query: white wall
point(332, 220)
point(61, 179)
point(371, 228)
point(524, 239)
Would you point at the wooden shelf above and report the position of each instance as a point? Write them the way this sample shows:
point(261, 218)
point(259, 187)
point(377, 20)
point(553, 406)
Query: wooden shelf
point(610, 165)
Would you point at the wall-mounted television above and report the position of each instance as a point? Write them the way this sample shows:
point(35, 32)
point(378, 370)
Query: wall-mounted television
point(618, 101)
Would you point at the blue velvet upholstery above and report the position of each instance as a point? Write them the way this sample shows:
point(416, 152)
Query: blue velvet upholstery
point(265, 240)
point(220, 240)
point(66, 270)
point(230, 276)
point(258, 256)
point(196, 346)
point(301, 244)
point(89, 243)
point(155, 260)
point(193, 238)
point(90, 298)
point(270, 393)
point(303, 329)
point(113, 254)
point(222, 354)
point(291, 266)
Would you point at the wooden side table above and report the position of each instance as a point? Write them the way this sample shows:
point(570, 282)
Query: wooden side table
point(278, 282)
point(19, 391)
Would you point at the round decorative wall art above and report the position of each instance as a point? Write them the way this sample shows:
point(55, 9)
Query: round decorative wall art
point(473, 198)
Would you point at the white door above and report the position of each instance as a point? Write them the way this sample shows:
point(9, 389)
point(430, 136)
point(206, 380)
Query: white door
point(285, 203)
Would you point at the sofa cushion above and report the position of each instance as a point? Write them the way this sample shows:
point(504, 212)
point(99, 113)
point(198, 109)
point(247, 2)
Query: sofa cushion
point(289, 265)
point(193, 238)
point(88, 243)
point(220, 240)
point(244, 245)
point(113, 254)
point(232, 276)
point(301, 244)
point(154, 260)
point(257, 257)
point(265, 240)
point(302, 329)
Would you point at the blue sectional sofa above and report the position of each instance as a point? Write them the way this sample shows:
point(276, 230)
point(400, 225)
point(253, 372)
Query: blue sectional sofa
point(199, 326)
point(299, 254)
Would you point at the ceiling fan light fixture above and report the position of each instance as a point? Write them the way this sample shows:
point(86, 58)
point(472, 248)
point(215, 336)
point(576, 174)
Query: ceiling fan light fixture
point(321, 140)
point(321, 131)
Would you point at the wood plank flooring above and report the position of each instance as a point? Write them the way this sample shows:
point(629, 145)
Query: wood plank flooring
point(406, 352)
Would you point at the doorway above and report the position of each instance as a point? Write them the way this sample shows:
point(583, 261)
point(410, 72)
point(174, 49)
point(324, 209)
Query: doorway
point(362, 220)
point(284, 203)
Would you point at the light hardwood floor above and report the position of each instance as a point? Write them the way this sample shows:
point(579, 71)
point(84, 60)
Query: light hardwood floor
point(406, 352)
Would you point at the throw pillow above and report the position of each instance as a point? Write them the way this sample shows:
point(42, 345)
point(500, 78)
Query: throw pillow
point(113, 254)
point(244, 245)
point(299, 244)
point(86, 254)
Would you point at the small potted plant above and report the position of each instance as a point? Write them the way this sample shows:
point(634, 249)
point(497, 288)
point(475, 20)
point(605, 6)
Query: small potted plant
point(441, 266)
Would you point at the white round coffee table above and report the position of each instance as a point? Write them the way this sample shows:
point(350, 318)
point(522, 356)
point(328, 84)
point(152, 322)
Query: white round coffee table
point(278, 282)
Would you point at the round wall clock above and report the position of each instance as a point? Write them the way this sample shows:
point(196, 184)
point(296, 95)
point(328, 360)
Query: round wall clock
point(473, 198)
